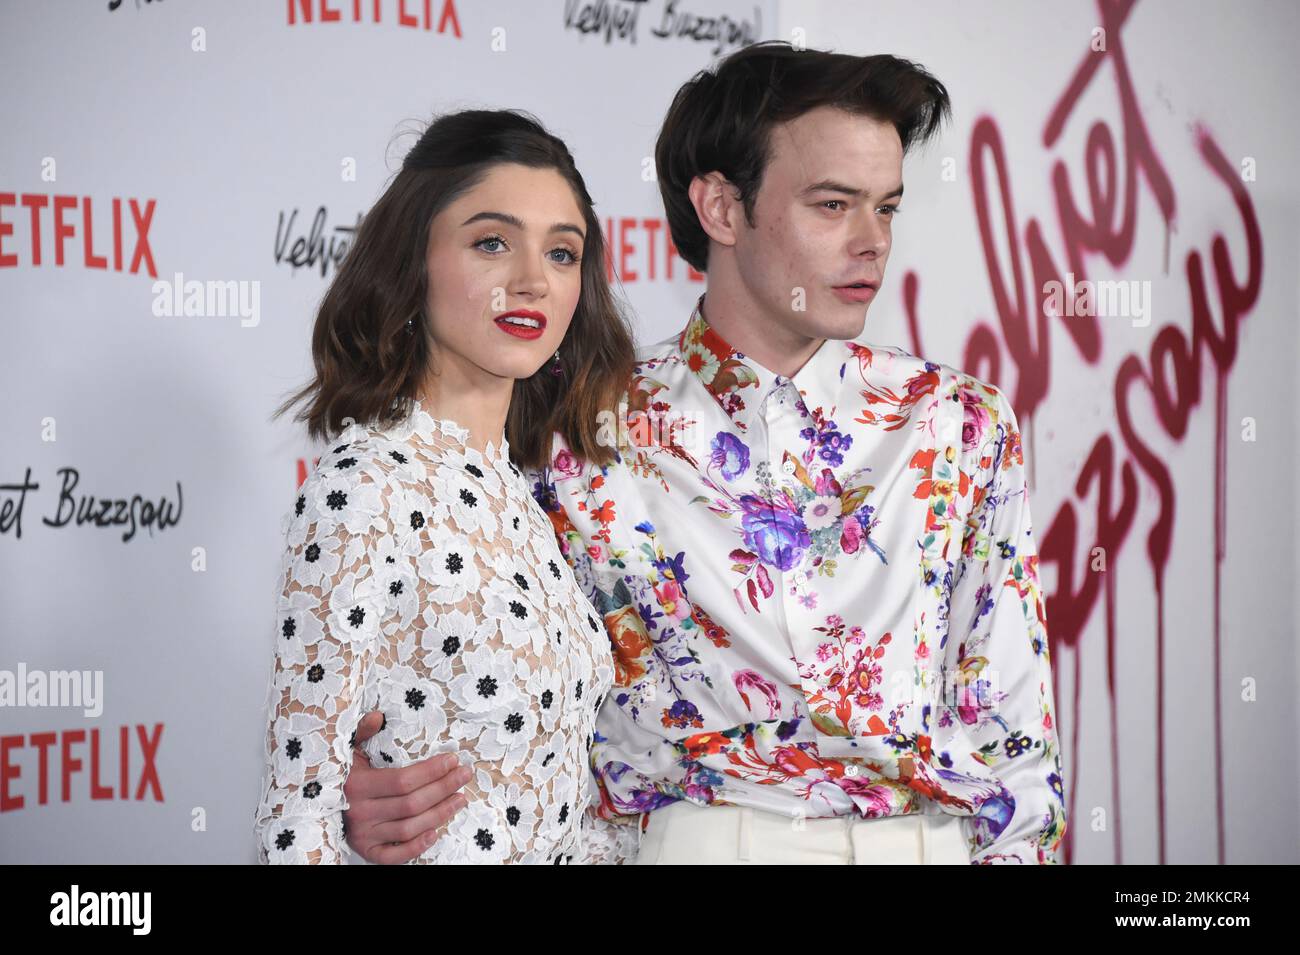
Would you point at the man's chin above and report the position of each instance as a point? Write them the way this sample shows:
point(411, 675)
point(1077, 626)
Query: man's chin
point(848, 320)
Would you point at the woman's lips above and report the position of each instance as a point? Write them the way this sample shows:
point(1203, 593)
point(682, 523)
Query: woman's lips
point(519, 329)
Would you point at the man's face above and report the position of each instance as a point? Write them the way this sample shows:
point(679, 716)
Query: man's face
point(482, 266)
point(822, 218)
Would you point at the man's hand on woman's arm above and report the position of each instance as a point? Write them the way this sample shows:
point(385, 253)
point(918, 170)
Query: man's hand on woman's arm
point(394, 814)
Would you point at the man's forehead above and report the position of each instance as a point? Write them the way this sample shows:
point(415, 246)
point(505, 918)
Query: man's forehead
point(832, 121)
point(874, 153)
point(804, 163)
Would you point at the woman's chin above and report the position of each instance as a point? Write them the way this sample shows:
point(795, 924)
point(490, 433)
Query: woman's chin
point(518, 366)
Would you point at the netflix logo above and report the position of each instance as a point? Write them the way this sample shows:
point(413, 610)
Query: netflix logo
point(58, 219)
point(399, 13)
point(64, 756)
point(642, 250)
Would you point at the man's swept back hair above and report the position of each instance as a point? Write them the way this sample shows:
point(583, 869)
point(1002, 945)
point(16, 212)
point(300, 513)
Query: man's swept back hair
point(722, 121)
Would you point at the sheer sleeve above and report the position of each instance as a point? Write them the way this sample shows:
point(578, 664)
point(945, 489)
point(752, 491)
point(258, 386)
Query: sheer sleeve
point(611, 838)
point(998, 646)
point(330, 609)
point(611, 841)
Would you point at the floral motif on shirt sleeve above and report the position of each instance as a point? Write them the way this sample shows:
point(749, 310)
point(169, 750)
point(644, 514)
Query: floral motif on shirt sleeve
point(997, 650)
point(923, 383)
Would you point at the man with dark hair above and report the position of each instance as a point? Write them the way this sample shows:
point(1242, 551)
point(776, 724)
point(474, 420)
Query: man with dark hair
point(814, 557)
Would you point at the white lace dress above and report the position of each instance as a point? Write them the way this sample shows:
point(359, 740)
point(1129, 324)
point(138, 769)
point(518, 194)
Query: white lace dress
point(421, 578)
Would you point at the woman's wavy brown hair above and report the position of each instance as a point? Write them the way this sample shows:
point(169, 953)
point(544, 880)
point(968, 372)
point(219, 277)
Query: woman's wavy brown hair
point(366, 359)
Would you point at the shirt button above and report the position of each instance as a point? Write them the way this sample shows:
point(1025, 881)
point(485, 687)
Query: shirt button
point(788, 466)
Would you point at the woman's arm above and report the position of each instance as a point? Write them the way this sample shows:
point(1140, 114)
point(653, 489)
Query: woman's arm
point(327, 630)
point(394, 815)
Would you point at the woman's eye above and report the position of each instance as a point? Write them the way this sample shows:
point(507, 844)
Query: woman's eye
point(497, 240)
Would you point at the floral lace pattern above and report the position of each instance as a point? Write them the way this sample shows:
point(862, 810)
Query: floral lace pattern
point(422, 579)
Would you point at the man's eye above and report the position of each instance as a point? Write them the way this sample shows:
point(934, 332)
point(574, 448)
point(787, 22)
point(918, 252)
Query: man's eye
point(829, 202)
point(892, 210)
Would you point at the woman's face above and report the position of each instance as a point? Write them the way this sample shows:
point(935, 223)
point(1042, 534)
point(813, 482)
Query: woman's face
point(513, 242)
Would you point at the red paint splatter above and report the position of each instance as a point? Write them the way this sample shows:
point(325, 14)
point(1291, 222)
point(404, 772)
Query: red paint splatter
point(1170, 378)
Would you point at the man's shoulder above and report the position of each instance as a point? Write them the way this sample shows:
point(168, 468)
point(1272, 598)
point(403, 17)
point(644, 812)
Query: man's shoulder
point(652, 373)
point(657, 350)
point(654, 359)
point(881, 366)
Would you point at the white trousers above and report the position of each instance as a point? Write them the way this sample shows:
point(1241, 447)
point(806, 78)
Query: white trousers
point(683, 833)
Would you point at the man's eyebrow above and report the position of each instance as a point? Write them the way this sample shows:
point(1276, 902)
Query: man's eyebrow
point(830, 185)
point(515, 221)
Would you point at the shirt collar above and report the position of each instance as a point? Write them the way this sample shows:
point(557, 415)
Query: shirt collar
point(742, 386)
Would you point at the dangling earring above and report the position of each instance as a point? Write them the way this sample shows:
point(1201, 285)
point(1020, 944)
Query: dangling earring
point(556, 368)
point(410, 326)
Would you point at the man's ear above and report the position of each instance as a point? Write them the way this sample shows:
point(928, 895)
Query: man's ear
point(717, 206)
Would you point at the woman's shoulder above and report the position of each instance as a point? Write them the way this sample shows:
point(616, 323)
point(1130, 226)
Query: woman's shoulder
point(350, 486)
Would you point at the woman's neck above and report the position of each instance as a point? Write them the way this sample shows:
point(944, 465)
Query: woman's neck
point(480, 412)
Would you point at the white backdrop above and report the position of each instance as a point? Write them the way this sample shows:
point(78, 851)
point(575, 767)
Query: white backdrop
point(231, 124)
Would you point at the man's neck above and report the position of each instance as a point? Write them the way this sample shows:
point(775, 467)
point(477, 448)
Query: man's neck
point(749, 330)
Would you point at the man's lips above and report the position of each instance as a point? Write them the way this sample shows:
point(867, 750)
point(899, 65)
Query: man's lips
point(856, 294)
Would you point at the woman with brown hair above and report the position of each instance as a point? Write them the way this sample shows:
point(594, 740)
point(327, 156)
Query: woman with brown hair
point(470, 320)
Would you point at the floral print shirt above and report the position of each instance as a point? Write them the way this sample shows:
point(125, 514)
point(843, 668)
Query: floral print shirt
point(822, 593)
point(422, 579)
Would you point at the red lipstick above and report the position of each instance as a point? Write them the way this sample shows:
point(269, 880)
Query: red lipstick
point(522, 323)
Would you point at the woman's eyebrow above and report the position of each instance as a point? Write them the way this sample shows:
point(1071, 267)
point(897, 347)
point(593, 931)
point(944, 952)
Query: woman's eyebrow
point(518, 223)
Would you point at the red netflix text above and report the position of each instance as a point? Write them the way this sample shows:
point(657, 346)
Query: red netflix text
point(327, 13)
point(70, 216)
point(78, 751)
point(639, 250)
